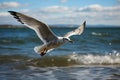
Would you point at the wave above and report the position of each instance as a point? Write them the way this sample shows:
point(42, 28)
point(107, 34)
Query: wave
point(10, 48)
point(91, 59)
point(22, 62)
point(11, 41)
point(116, 41)
point(100, 34)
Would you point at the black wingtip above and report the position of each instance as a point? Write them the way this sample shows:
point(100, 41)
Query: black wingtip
point(12, 12)
point(15, 15)
point(84, 23)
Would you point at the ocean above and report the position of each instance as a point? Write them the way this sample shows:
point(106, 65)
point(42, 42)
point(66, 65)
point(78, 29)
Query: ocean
point(94, 55)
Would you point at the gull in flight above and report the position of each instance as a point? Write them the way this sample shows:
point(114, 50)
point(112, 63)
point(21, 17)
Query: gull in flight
point(49, 39)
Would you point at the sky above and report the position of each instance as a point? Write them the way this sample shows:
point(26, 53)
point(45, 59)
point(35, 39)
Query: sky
point(95, 12)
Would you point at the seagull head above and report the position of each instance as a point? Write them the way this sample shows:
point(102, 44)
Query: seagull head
point(67, 40)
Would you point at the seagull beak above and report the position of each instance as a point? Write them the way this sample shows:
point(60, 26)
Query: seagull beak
point(71, 41)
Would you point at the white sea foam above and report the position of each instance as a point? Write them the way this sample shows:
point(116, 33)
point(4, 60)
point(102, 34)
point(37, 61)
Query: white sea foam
point(90, 59)
point(96, 34)
point(99, 34)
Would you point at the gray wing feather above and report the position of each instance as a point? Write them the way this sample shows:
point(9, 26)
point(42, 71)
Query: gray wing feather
point(77, 31)
point(42, 30)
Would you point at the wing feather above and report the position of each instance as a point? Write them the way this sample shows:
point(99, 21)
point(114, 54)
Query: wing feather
point(77, 31)
point(43, 31)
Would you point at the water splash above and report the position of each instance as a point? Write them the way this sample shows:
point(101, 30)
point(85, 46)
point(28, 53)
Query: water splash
point(91, 59)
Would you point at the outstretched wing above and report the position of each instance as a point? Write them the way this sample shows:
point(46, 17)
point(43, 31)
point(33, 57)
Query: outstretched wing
point(42, 30)
point(77, 31)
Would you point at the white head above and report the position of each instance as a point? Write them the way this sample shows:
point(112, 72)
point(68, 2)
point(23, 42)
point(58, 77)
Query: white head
point(67, 40)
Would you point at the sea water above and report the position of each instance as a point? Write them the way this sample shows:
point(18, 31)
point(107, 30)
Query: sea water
point(94, 55)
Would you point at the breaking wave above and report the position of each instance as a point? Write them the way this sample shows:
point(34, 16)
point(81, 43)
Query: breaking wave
point(22, 62)
point(96, 59)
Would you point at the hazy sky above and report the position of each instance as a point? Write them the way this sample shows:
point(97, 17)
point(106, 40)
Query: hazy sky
point(106, 12)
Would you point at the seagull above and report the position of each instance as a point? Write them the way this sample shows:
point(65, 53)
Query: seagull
point(49, 39)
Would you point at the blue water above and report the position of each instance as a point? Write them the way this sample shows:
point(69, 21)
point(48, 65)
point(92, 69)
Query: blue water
point(92, 41)
point(94, 55)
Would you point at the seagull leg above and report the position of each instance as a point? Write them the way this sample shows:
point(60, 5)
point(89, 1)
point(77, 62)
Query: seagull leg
point(43, 52)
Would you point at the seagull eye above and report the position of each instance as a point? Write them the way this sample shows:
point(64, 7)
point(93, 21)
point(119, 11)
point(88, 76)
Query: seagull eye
point(64, 39)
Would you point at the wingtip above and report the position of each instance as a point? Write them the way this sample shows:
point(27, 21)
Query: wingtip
point(84, 23)
point(12, 12)
point(15, 15)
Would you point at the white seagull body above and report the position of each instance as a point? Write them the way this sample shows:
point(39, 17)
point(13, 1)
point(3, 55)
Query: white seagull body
point(43, 31)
